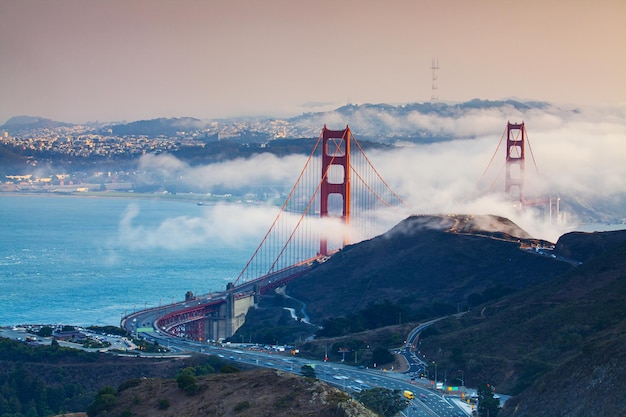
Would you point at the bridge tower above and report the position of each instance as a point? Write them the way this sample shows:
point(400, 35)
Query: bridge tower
point(335, 177)
point(515, 144)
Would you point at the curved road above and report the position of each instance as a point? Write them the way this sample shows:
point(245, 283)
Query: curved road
point(427, 402)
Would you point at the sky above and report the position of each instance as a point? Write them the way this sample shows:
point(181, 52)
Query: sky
point(88, 60)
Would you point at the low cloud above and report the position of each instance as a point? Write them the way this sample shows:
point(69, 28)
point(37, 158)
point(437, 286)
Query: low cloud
point(223, 224)
point(262, 169)
point(576, 154)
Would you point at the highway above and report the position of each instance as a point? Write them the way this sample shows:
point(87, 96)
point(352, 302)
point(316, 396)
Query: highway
point(427, 402)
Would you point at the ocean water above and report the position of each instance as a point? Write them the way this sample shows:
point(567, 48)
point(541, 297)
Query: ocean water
point(88, 261)
point(91, 260)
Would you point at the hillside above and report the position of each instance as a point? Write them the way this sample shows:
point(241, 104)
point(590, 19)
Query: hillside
point(39, 379)
point(19, 124)
point(552, 341)
point(560, 328)
point(380, 122)
point(438, 263)
point(257, 393)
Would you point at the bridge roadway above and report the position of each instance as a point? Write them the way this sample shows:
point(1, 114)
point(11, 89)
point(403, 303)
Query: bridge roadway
point(172, 318)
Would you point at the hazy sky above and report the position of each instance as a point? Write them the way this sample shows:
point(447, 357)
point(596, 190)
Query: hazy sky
point(83, 60)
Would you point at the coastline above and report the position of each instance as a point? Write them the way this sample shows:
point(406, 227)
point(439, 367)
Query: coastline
point(166, 196)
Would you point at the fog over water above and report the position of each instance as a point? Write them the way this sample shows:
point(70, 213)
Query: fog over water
point(577, 154)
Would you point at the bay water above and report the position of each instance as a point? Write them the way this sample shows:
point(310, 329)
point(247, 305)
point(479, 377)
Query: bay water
point(91, 260)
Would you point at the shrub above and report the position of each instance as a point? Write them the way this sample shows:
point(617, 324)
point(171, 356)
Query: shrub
point(104, 401)
point(184, 380)
point(163, 404)
point(192, 389)
point(126, 413)
point(243, 405)
point(228, 369)
point(129, 384)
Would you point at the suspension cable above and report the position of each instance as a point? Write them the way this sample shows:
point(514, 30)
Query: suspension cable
point(282, 209)
point(378, 174)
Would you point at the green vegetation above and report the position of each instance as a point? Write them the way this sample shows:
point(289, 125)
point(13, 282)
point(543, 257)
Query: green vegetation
point(382, 314)
point(117, 331)
point(490, 294)
point(381, 356)
point(374, 316)
point(521, 339)
point(243, 405)
point(383, 401)
point(25, 394)
point(105, 401)
point(11, 350)
point(487, 404)
point(186, 378)
point(45, 331)
point(41, 380)
point(271, 323)
point(308, 371)
point(149, 347)
point(284, 402)
point(128, 384)
point(164, 404)
point(358, 349)
point(211, 364)
point(187, 382)
point(229, 369)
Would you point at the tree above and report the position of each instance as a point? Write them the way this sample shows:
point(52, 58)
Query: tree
point(45, 331)
point(104, 401)
point(185, 379)
point(383, 401)
point(487, 404)
point(308, 371)
point(228, 369)
point(382, 356)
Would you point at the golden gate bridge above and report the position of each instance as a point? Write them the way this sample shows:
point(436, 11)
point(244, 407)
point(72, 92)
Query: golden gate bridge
point(336, 200)
point(337, 185)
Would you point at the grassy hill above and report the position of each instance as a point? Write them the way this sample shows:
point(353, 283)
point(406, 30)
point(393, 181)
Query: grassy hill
point(256, 393)
point(557, 338)
point(512, 341)
point(433, 265)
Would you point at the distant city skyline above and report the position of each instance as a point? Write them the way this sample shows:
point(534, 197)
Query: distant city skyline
point(79, 61)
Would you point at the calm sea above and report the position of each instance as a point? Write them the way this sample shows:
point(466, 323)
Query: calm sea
point(84, 261)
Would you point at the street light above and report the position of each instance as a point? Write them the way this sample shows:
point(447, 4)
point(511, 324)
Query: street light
point(435, 363)
point(462, 378)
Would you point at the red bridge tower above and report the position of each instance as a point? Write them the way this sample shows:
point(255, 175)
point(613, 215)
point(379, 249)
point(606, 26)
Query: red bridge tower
point(515, 143)
point(335, 176)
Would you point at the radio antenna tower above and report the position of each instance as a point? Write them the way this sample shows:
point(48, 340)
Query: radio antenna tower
point(434, 96)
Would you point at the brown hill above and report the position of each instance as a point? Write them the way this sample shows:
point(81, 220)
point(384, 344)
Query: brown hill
point(257, 393)
point(560, 345)
point(585, 246)
point(425, 260)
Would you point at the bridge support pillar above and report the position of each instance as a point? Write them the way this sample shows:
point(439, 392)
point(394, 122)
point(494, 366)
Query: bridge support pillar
point(515, 144)
point(335, 176)
point(237, 306)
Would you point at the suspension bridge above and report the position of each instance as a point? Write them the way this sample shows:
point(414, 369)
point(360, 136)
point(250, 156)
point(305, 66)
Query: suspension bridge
point(336, 200)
